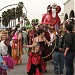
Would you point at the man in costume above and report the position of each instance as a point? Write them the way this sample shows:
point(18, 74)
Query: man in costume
point(54, 15)
point(51, 17)
point(46, 16)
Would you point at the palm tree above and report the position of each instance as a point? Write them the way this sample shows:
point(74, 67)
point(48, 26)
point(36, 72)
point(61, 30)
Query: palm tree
point(14, 15)
point(5, 20)
point(19, 10)
point(9, 15)
point(21, 4)
point(27, 21)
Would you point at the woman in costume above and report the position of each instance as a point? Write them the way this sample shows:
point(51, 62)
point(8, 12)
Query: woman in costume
point(51, 17)
point(34, 61)
point(42, 41)
point(14, 44)
point(4, 51)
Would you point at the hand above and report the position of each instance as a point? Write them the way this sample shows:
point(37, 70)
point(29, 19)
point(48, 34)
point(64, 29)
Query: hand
point(60, 49)
point(25, 46)
point(49, 43)
point(65, 54)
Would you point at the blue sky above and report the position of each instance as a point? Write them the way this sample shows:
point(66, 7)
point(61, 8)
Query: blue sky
point(35, 8)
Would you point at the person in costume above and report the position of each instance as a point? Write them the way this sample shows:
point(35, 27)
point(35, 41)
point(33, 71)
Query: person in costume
point(20, 44)
point(55, 20)
point(51, 17)
point(4, 51)
point(15, 47)
point(46, 16)
point(3, 66)
point(52, 39)
point(42, 41)
point(34, 61)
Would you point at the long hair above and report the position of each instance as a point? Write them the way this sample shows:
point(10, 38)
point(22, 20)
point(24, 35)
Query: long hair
point(3, 32)
point(40, 31)
point(34, 46)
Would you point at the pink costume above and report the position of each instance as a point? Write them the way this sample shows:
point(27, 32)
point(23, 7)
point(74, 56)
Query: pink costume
point(5, 56)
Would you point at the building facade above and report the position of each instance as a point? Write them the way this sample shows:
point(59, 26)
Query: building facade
point(69, 9)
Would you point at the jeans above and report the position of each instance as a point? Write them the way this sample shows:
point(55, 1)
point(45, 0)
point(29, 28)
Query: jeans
point(58, 61)
point(69, 64)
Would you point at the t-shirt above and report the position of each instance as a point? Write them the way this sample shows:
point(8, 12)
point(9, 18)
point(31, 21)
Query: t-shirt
point(70, 42)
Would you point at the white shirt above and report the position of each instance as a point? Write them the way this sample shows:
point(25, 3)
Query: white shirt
point(53, 13)
point(4, 48)
point(51, 37)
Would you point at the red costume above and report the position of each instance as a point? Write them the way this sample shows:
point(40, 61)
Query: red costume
point(51, 17)
point(46, 19)
point(34, 64)
point(54, 15)
point(47, 49)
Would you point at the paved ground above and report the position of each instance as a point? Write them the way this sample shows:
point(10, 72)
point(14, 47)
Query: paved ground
point(21, 69)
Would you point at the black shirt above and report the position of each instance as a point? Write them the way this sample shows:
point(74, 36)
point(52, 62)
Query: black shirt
point(70, 41)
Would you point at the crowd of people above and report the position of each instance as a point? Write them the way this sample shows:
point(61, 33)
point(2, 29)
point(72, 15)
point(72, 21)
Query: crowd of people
point(62, 42)
point(40, 42)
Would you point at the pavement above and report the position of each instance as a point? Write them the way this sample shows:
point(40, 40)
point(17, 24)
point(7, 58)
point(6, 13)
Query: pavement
point(20, 69)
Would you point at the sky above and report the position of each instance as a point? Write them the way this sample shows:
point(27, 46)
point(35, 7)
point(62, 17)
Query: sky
point(35, 8)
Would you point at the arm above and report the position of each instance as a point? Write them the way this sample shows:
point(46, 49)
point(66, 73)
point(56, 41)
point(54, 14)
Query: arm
point(58, 9)
point(68, 43)
point(30, 46)
point(1, 60)
point(54, 38)
point(66, 50)
point(46, 41)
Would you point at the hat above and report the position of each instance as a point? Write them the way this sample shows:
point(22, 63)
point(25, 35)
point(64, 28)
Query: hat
point(54, 5)
point(48, 7)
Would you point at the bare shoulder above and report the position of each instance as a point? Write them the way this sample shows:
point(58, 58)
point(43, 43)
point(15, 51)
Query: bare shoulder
point(36, 39)
point(44, 38)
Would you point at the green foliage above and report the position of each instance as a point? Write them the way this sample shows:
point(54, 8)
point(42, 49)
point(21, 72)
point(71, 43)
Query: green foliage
point(5, 18)
point(28, 26)
point(12, 13)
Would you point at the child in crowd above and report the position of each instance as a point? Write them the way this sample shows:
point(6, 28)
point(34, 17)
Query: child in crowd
point(3, 66)
point(4, 51)
point(34, 61)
